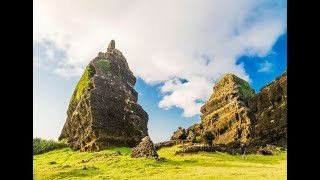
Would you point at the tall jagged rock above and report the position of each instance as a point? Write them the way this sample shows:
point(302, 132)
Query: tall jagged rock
point(103, 110)
point(226, 114)
point(270, 109)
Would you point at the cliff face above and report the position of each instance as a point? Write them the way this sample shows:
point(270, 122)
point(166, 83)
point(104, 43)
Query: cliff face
point(103, 110)
point(270, 109)
point(234, 114)
point(226, 114)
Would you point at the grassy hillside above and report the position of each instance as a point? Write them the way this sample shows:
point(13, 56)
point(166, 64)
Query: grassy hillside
point(65, 163)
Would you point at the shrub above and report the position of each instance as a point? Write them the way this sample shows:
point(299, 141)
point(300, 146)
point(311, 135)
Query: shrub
point(41, 145)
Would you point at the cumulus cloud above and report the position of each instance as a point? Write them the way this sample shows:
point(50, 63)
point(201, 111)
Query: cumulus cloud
point(187, 95)
point(163, 41)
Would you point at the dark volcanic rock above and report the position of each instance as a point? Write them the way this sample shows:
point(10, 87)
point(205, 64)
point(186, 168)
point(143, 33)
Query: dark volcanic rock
point(207, 137)
point(180, 133)
point(197, 148)
point(207, 148)
point(268, 150)
point(145, 149)
point(166, 144)
point(111, 46)
point(103, 110)
point(270, 109)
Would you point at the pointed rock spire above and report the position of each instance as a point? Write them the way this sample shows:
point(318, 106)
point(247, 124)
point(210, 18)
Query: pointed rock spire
point(112, 46)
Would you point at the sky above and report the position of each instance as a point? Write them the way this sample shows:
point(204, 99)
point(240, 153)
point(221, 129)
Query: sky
point(176, 49)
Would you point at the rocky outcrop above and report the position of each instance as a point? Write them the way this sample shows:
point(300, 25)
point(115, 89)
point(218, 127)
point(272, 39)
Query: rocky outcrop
point(194, 148)
point(234, 114)
point(268, 150)
point(197, 148)
point(169, 143)
point(226, 114)
point(145, 149)
point(270, 109)
point(179, 134)
point(191, 136)
point(103, 110)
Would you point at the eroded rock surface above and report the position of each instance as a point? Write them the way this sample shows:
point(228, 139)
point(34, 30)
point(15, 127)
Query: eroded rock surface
point(234, 114)
point(103, 110)
point(145, 149)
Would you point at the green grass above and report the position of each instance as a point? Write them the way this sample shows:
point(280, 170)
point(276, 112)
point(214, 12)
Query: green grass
point(203, 165)
point(83, 84)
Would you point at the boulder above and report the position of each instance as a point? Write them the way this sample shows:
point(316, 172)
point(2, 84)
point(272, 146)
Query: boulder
point(268, 150)
point(169, 143)
point(145, 149)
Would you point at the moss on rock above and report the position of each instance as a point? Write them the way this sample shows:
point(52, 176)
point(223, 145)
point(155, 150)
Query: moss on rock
point(244, 87)
point(104, 65)
point(84, 84)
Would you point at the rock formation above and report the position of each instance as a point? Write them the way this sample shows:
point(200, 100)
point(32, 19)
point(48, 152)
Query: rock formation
point(180, 133)
point(169, 143)
point(226, 114)
point(145, 149)
point(270, 109)
point(103, 110)
point(191, 136)
point(234, 114)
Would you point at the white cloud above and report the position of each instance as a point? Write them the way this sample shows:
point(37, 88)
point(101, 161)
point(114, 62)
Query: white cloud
point(163, 40)
point(265, 67)
point(68, 71)
point(185, 95)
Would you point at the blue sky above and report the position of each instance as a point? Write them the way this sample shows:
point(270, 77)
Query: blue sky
point(264, 70)
point(177, 57)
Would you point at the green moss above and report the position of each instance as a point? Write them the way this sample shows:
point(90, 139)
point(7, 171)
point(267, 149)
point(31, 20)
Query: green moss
point(104, 66)
point(244, 87)
point(84, 84)
point(198, 138)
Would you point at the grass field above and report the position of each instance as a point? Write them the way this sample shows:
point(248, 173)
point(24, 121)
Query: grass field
point(68, 164)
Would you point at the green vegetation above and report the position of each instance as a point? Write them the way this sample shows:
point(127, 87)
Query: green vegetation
point(68, 164)
point(245, 88)
point(83, 84)
point(198, 138)
point(104, 65)
point(42, 145)
point(283, 104)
